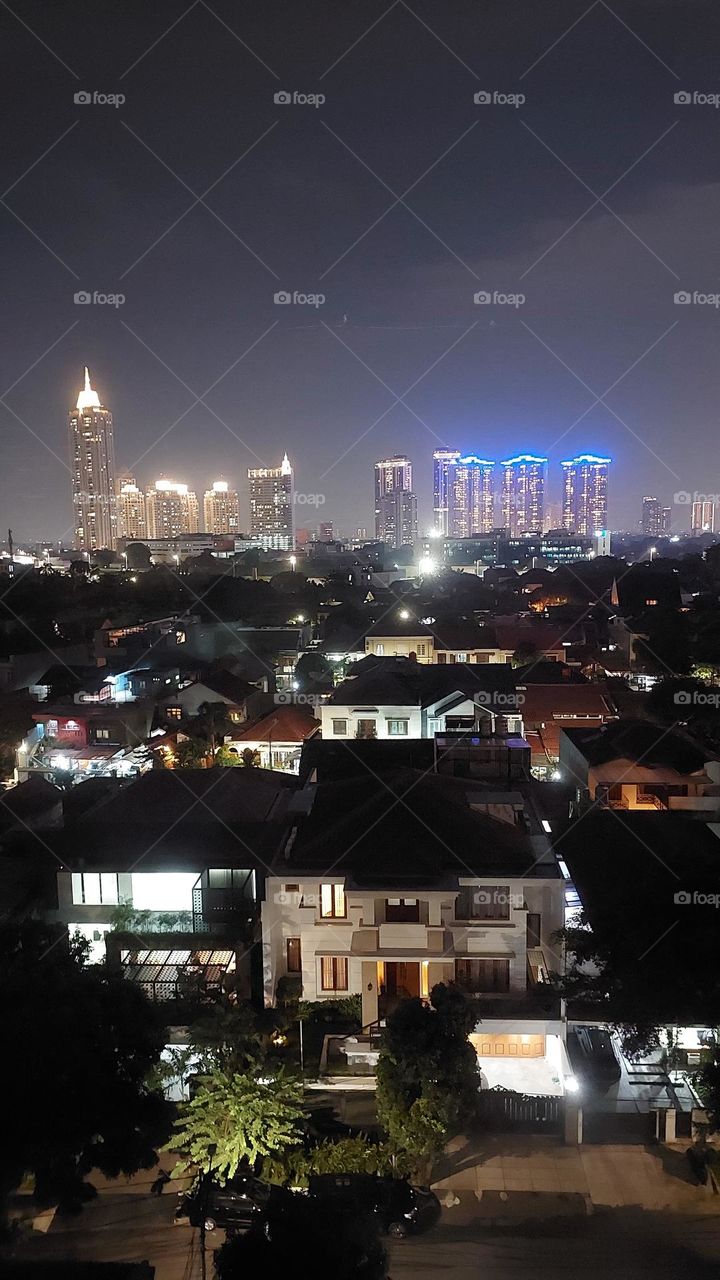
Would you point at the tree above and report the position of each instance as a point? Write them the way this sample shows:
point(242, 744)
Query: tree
point(707, 1083)
point(332, 1243)
point(15, 723)
point(313, 673)
point(232, 1037)
point(250, 758)
point(427, 1074)
point(212, 725)
point(236, 1119)
point(84, 1043)
point(191, 754)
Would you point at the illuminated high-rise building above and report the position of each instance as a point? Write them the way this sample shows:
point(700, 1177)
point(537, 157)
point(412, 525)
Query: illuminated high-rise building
point(444, 464)
point(396, 518)
point(272, 512)
point(172, 510)
point(585, 488)
point(392, 473)
point(221, 509)
point(395, 502)
point(132, 515)
point(523, 494)
point(651, 519)
point(702, 517)
point(666, 520)
point(92, 465)
point(472, 502)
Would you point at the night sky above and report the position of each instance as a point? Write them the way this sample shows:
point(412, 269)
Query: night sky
point(310, 201)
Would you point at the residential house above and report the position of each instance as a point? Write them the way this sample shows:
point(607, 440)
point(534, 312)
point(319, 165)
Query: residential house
point(465, 642)
point(400, 698)
point(241, 699)
point(382, 896)
point(277, 737)
point(634, 765)
point(186, 849)
point(546, 709)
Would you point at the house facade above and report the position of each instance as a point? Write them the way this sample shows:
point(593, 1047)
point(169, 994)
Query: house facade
point(461, 887)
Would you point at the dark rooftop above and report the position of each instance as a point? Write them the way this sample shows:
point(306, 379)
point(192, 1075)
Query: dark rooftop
point(183, 819)
point(410, 828)
point(640, 740)
point(402, 682)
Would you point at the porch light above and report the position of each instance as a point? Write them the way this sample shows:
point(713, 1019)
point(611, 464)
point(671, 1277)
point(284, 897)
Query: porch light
point(571, 1085)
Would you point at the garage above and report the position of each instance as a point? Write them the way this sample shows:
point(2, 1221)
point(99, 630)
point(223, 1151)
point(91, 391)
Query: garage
point(508, 1045)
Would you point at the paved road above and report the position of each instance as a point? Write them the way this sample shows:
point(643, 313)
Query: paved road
point(614, 1244)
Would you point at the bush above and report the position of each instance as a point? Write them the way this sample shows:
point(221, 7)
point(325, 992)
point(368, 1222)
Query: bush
point(340, 1009)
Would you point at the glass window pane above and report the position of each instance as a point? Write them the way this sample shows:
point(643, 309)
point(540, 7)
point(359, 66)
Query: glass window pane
point(109, 887)
point(91, 888)
point(326, 900)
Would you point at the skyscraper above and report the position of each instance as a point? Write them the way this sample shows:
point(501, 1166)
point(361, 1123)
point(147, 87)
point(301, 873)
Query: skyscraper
point(272, 512)
point(172, 510)
point(396, 519)
point(523, 493)
point(702, 519)
point(585, 486)
point(444, 462)
point(92, 464)
point(395, 502)
point(651, 519)
point(221, 509)
point(472, 504)
point(132, 516)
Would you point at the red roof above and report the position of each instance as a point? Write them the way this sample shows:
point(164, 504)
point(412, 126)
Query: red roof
point(292, 722)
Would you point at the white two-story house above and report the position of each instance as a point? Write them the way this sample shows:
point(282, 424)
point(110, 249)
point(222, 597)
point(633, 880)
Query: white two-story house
point(399, 698)
point(386, 889)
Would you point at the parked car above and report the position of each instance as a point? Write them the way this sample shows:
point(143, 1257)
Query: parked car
point(593, 1057)
point(236, 1206)
point(401, 1209)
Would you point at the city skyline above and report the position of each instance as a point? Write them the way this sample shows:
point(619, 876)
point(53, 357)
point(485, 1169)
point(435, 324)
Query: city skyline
point(179, 311)
point(471, 495)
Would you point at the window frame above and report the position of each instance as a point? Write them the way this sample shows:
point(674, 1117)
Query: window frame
point(338, 972)
point(336, 894)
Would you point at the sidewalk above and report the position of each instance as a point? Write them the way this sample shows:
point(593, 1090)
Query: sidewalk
point(616, 1176)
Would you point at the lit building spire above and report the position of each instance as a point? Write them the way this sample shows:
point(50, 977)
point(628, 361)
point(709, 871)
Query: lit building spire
point(88, 399)
point(285, 468)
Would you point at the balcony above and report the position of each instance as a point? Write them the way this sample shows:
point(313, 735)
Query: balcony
point(399, 938)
